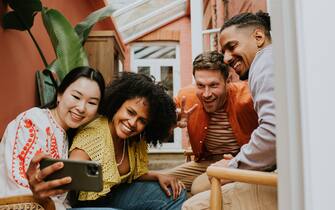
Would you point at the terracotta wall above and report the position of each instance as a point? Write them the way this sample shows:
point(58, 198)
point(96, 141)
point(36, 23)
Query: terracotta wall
point(19, 58)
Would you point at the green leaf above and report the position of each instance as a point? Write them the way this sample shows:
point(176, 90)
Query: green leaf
point(83, 28)
point(68, 48)
point(22, 16)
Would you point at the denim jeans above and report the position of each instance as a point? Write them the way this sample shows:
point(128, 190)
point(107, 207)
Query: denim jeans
point(137, 196)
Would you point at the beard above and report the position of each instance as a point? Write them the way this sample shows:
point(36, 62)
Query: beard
point(245, 75)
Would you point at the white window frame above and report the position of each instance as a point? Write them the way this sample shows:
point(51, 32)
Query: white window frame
point(176, 146)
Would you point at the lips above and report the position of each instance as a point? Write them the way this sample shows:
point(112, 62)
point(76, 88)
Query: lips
point(76, 117)
point(125, 129)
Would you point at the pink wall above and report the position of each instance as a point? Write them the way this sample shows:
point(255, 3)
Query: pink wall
point(19, 58)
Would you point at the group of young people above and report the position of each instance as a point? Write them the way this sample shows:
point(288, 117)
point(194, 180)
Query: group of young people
point(114, 125)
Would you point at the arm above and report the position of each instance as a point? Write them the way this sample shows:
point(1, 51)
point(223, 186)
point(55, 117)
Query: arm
point(165, 181)
point(260, 152)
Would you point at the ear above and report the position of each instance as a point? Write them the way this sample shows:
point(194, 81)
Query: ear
point(59, 97)
point(260, 37)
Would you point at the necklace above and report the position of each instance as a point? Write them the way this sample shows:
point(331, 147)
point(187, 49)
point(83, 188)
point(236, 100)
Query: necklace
point(124, 150)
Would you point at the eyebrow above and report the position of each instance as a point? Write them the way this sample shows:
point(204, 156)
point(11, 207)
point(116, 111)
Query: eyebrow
point(94, 98)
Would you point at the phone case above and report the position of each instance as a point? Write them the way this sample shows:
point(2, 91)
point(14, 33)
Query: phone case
point(86, 175)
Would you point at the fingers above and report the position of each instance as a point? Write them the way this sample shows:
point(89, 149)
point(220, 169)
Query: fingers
point(227, 156)
point(166, 190)
point(183, 102)
point(190, 111)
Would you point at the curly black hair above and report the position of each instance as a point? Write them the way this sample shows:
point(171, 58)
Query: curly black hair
point(260, 19)
point(212, 60)
point(162, 110)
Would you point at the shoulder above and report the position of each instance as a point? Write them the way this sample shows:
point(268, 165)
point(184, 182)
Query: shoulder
point(95, 128)
point(238, 90)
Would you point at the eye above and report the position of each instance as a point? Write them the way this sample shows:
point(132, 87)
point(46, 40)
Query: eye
point(214, 85)
point(130, 112)
point(93, 103)
point(143, 121)
point(232, 46)
point(76, 97)
point(200, 86)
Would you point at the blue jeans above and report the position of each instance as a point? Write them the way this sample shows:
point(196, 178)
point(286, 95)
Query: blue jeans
point(137, 196)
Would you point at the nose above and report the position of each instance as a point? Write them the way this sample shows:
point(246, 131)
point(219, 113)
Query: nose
point(132, 122)
point(207, 93)
point(227, 57)
point(81, 106)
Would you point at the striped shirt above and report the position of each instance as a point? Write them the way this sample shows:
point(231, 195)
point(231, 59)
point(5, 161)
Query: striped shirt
point(220, 138)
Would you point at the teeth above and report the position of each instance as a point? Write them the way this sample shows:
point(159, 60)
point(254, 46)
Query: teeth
point(126, 128)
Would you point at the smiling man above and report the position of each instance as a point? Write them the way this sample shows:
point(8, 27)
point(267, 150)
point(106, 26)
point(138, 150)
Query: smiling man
point(219, 117)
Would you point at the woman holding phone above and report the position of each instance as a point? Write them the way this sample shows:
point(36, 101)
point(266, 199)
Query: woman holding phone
point(38, 132)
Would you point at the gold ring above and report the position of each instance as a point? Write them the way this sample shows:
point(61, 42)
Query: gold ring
point(38, 178)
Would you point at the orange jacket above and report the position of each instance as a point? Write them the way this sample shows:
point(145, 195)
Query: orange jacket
point(239, 107)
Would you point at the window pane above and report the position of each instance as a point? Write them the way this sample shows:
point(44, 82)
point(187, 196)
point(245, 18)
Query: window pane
point(155, 52)
point(167, 79)
point(144, 70)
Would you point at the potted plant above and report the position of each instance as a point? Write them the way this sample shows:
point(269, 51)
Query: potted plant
point(67, 41)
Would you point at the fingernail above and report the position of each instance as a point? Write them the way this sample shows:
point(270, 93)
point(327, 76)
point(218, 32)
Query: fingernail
point(60, 164)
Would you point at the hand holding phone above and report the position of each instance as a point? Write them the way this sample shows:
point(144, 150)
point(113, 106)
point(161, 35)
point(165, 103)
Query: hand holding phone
point(85, 175)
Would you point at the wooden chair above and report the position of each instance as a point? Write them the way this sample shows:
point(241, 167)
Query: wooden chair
point(25, 202)
point(238, 175)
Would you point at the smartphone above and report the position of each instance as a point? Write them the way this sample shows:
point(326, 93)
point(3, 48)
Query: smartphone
point(86, 175)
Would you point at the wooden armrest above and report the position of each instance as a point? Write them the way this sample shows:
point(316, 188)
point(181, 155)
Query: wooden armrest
point(238, 175)
point(241, 175)
point(26, 202)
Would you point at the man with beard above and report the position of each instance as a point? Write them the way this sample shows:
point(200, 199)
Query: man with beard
point(219, 117)
point(246, 44)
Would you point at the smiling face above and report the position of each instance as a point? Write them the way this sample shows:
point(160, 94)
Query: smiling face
point(131, 118)
point(210, 89)
point(78, 104)
point(239, 46)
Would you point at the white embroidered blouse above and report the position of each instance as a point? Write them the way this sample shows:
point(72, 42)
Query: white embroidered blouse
point(32, 132)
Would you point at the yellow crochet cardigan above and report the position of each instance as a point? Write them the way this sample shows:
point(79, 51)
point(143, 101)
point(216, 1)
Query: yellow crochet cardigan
point(96, 140)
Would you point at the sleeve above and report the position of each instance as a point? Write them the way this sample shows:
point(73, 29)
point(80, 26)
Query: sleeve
point(90, 140)
point(141, 158)
point(260, 152)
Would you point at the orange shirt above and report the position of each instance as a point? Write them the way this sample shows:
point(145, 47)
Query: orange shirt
point(241, 114)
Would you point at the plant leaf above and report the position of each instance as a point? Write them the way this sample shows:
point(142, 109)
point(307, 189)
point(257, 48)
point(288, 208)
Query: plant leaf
point(66, 43)
point(84, 27)
point(22, 16)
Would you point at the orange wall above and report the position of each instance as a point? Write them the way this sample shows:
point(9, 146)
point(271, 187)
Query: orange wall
point(19, 58)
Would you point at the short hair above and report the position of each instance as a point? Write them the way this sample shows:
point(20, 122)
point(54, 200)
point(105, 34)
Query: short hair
point(74, 75)
point(212, 60)
point(260, 19)
point(162, 110)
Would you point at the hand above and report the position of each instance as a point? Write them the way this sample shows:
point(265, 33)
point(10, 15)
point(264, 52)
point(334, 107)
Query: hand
point(176, 185)
point(183, 114)
point(223, 163)
point(35, 176)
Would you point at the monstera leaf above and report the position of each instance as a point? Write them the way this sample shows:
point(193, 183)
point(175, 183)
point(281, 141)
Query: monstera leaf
point(83, 28)
point(22, 15)
point(65, 41)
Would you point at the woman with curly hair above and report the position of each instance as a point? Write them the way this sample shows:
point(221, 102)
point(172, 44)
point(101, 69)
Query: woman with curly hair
point(135, 112)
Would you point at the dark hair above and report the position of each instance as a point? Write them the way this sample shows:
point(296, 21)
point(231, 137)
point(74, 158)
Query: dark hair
point(212, 60)
point(72, 76)
point(260, 19)
point(162, 110)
